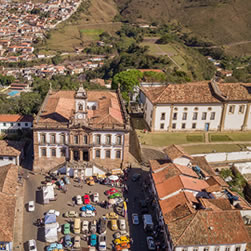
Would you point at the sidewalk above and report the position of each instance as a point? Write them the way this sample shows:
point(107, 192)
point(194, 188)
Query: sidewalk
point(18, 221)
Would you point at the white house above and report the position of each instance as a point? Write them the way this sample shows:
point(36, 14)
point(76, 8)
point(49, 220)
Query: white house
point(10, 123)
point(208, 106)
point(11, 152)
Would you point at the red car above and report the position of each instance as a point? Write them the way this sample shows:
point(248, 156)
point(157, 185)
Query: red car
point(111, 191)
point(86, 199)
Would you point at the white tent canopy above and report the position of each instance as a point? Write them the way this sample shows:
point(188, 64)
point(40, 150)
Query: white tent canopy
point(48, 194)
point(51, 234)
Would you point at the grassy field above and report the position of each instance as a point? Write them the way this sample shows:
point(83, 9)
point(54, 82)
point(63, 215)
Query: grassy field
point(241, 136)
point(212, 148)
point(164, 139)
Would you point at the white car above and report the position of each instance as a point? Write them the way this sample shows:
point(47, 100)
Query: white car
point(85, 226)
point(87, 213)
point(102, 242)
point(51, 184)
point(79, 200)
point(53, 211)
point(150, 243)
point(31, 206)
point(32, 245)
point(122, 224)
point(135, 219)
point(96, 197)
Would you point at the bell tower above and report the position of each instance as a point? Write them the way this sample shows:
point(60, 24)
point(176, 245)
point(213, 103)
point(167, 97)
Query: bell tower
point(81, 104)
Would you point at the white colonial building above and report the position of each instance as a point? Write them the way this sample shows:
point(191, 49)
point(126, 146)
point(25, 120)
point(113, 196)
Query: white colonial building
point(10, 123)
point(208, 106)
point(81, 126)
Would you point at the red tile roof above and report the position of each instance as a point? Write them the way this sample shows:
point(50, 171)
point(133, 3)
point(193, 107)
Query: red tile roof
point(15, 118)
point(175, 151)
point(11, 148)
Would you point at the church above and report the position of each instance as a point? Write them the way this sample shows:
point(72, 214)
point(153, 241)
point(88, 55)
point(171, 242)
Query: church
point(81, 127)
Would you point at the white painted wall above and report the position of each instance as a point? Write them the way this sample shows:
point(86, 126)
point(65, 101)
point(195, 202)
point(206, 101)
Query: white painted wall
point(148, 111)
point(14, 125)
point(7, 161)
point(212, 247)
point(234, 121)
point(158, 121)
point(48, 151)
point(182, 161)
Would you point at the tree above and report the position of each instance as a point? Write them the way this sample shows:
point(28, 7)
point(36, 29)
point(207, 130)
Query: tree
point(127, 81)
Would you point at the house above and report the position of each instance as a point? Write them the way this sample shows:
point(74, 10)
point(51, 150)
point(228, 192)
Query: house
point(194, 207)
point(84, 126)
point(10, 123)
point(11, 152)
point(199, 106)
point(8, 184)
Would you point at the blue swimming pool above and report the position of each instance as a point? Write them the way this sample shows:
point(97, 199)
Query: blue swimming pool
point(13, 93)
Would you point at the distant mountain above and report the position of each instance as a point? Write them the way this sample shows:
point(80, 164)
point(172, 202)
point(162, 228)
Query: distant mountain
point(222, 22)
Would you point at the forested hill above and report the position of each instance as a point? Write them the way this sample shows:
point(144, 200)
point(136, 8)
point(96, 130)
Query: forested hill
point(219, 21)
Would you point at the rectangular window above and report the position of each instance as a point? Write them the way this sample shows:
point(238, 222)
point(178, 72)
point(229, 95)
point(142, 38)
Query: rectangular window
point(62, 139)
point(184, 116)
point(4, 124)
point(85, 140)
point(18, 124)
point(195, 249)
point(205, 249)
point(43, 138)
point(118, 154)
point(43, 150)
point(173, 126)
point(217, 249)
point(10, 158)
point(231, 109)
point(183, 126)
point(162, 126)
point(108, 154)
point(108, 139)
point(11, 124)
point(195, 115)
point(175, 116)
point(63, 152)
point(75, 139)
point(204, 116)
point(212, 117)
point(184, 249)
point(98, 139)
point(241, 108)
point(194, 125)
point(227, 249)
point(119, 140)
point(237, 248)
point(53, 138)
point(26, 124)
point(97, 153)
point(53, 152)
point(1, 158)
point(163, 115)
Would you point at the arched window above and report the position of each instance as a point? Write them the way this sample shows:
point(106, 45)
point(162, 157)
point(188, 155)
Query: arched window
point(80, 107)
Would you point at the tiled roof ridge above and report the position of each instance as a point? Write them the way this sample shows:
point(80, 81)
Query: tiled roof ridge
point(163, 92)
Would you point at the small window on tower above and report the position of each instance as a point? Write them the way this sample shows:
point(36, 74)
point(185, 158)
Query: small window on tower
point(80, 107)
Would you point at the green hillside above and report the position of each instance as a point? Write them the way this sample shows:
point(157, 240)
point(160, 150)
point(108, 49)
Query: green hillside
point(222, 22)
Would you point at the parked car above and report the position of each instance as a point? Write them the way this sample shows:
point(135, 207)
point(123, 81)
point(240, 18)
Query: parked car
point(53, 211)
point(150, 243)
point(101, 226)
point(76, 242)
point(122, 224)
point(93, 226)
point(136, 177)
point(79, 200)
point(111, 191)
point(55, 246)
point(31, 206)
point(118, 201)
point(53, 184)
point(135, 219)
point(86, 199)
point(115, 195)
point(88, 207)
point(67, 241)
point(114, 225)
point(102, 242)
point(67, 228)
point(90, 181)
point(32, 245)
point(85, 226)
point(66, 180)
point(87, 213)
point(96, 197)
point(93, 240)
point(112, 215)
point(71, 214)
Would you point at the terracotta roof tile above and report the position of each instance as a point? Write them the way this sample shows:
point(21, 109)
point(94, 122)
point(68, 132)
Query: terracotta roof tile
point(217, 180)
point(8, 179)
point(15, 118)
point(175, 151)
point(209, 228)
point(10, 148)
point(202, 163)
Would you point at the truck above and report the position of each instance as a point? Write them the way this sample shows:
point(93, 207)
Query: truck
point(148, 222)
